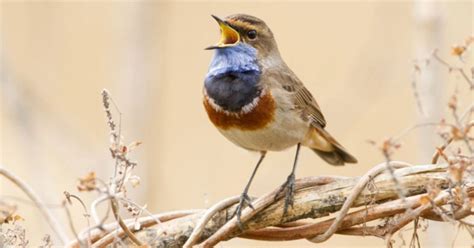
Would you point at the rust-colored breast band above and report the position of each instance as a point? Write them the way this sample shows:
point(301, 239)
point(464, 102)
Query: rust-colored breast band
point(259, 117)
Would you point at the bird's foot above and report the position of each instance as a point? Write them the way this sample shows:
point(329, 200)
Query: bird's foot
point(244, 201)
point(288, 187)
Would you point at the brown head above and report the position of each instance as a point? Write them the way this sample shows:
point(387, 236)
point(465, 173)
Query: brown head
point(247, 29)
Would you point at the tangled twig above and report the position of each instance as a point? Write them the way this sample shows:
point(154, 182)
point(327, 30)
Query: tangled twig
point(355, 193)
point(106, 236)
point(316, 197)
point(195, 235)
point(232, 226)
point(115, 209)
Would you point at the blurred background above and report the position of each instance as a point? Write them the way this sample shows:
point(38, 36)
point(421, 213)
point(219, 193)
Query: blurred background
point(356, 58)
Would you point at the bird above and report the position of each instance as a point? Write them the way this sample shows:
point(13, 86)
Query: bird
point(258, 103)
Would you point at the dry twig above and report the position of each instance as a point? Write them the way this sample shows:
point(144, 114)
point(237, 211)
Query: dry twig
point(50, 218)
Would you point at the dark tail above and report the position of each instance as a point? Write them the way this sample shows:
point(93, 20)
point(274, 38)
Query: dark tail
point(338, 155)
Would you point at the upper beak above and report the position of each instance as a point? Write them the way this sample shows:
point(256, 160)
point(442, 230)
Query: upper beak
point(229, 36)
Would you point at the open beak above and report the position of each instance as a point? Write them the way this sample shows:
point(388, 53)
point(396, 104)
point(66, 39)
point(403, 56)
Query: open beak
point(229, 36)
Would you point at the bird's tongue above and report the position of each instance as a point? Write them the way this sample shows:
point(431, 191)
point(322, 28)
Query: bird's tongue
point(228, 35)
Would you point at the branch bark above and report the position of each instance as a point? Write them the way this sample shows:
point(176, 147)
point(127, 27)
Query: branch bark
point(316, 201)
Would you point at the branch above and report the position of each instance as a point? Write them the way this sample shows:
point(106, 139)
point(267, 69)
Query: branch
point(316, 198)
point(105, 235)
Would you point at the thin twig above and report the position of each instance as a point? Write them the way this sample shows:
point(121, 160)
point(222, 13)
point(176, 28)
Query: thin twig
point(144, 222)
point(86, 214)
point(406, 131)
point(409, 216)
point(453, 68)
point(440, 150)
point(372, 173)
point(94, 204)
point(195, 235)
point(52, 221)
point(29, 202)
point(115, 211)
point(398, 186)
point(143, 209)
point(416, 71)
point(71, 223)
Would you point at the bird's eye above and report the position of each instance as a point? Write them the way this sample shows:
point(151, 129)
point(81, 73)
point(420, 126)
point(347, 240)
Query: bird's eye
point(252, 34)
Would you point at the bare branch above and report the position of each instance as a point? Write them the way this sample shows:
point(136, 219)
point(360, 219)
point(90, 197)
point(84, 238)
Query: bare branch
point(50, 218)
point(316, 198)
point(453, 68)
point(355, 193)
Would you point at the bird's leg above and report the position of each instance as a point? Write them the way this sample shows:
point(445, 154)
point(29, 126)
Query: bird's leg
point(244, 197)
point(289, 185)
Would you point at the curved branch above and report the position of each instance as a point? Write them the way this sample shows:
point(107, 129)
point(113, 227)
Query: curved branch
point(52, 221)
point(355, 193)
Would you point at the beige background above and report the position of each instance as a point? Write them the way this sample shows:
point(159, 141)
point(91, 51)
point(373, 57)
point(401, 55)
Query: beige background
point(356, 58)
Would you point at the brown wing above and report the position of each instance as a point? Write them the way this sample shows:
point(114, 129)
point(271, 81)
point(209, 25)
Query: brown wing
point(319, 139)
point(304, 100)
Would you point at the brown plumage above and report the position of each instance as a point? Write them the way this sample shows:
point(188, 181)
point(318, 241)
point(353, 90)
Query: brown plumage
point(256, 119)
point(257, 102)
point(331, 150)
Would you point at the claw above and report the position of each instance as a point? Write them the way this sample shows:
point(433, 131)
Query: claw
point(248, 201)
point(288, 187)
point(244, 200)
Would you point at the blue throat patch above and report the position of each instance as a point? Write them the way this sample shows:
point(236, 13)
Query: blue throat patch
point(233, 77)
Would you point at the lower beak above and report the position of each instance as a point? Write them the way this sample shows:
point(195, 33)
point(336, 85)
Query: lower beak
point(229, 36)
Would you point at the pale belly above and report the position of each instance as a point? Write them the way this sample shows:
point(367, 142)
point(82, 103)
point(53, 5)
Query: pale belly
point(286, 130)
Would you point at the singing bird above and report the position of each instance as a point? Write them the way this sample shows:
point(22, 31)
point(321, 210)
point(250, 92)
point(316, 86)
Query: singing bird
point(258, 103)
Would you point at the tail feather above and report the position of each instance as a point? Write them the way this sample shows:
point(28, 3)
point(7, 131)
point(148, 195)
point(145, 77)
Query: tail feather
point(336, 157)
point(329, 149)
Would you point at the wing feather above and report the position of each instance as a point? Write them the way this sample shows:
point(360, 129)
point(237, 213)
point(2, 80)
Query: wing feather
point(303, 99)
